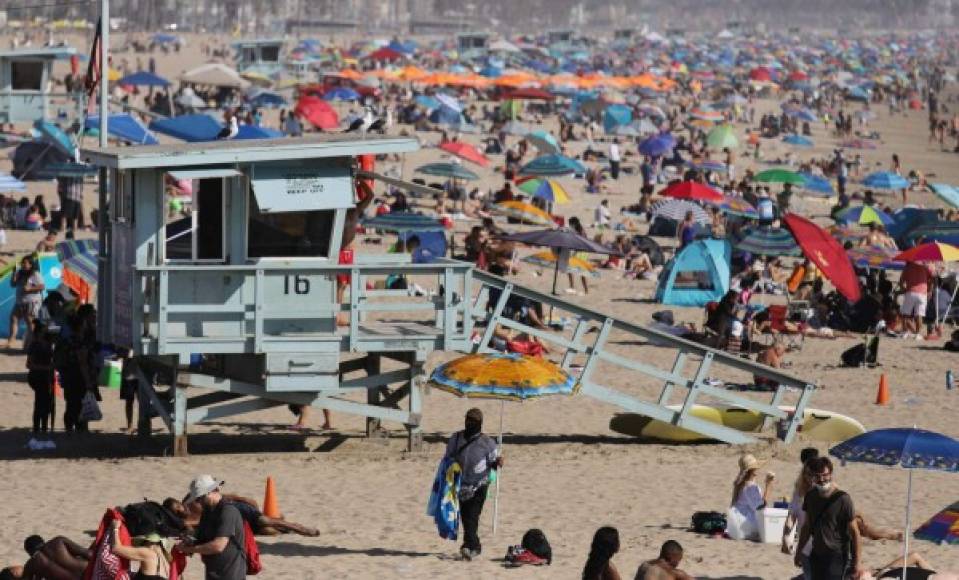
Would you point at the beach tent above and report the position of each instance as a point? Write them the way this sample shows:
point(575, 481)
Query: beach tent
point(125, 128)
point(215, 74)
point(615, 116)
point(433, 245)
point(697, 275)
point(200, 127)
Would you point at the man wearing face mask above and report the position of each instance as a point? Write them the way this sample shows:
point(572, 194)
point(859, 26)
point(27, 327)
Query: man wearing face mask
point(219, 535)
point(830, 522)
point(476, 454)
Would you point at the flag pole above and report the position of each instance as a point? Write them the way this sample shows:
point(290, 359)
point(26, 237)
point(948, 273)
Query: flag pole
point(104, 68)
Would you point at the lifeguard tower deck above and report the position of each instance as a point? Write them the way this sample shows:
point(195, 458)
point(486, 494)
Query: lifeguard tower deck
point(238, 294)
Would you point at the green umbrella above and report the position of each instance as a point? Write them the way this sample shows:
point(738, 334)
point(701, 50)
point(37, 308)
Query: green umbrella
point(454, 170)
point(780, 176)
point(722, 137)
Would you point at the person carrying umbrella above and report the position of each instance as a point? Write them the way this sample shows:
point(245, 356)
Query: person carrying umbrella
point(831, 524)
point(476, 454)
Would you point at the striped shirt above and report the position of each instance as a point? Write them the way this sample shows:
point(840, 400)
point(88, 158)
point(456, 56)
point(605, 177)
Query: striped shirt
point(70, 188)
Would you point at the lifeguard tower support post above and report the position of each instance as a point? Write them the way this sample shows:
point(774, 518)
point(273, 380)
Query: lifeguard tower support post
point(238, 294)
point(26, 82)
point(261, 55)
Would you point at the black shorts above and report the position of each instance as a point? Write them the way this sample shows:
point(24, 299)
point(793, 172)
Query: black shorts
point(128, 389)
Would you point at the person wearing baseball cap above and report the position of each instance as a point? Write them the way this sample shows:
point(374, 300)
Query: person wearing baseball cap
point(219, 536)
point(476, 454)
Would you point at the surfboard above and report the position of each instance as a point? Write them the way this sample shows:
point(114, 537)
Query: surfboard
point(818, 424)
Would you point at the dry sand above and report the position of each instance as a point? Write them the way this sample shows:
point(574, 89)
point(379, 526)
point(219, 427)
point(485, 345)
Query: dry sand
point(566, 472)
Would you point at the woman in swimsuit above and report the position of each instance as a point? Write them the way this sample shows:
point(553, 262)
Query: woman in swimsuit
point(154, 559)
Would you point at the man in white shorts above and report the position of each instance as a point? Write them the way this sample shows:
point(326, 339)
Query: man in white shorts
point(915, 284)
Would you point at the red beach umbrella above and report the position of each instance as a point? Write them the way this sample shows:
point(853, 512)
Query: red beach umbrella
point(318, 112)
point(465, 151)
point(829, 256)
point(693, 191)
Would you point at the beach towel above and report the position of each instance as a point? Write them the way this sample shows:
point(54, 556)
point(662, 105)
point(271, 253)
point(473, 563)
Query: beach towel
point(106, 565)
point(443, 505)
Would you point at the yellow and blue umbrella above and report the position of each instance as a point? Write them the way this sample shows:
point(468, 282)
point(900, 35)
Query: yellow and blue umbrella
point(509, 377)
point(864, 215)
point(524, 212)
point(547, 189)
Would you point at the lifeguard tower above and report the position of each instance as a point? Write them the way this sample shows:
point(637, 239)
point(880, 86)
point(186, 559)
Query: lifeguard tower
point(238, 294)
point(26, 83)
point(260, 55)
point(472, 44)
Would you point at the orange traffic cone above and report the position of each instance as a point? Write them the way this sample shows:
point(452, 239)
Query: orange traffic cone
point(271, 508)
point(882, 396)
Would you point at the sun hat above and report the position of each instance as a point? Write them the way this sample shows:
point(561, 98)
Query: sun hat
point(202, 485)
point(166, 544)
point(747, 462)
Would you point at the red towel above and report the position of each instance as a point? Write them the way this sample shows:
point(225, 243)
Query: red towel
point(106, 565)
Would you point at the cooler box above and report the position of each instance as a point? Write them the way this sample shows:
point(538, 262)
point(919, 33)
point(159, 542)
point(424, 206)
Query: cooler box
point(771, 524)
point(111, 374)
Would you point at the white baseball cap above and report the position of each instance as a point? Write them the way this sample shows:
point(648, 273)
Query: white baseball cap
point(202, 485)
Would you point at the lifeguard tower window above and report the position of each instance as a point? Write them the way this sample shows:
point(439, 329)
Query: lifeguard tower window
point(26, 76)
point(288, 234)
point(249, 54)
point(196, 234)
point(270, 54)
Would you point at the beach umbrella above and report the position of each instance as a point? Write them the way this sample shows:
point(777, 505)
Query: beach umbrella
point(318, 112)
point(693, 191)
point(576, 266)
point(52, 134)
point(548, 189)
point(515, 128)
point(124, 127)
point(543, 141)
point(676, 209)
point(767, 241)
point(257, 78)
point(722, 137)
point(563, 239)
point(341, 94)
point(817, 184)
point(930, 252)
point(524, 212)
point(801, 113)
point(864, 215)
point(947, 193)
point(658, 145)
point(449, 102)
point(828, 255)
point(708, 165)
point(734, 205)
point(780, 176)
point(507, 377)
point(143, 79)
point(942, 528)
point(427, 102)
point(885, 180)
point(261, 98)
point(215, 74)
point(548, 165)
point(797, 141)
point(909, 448)
point(465, 151)
point(404, 222)
point(453, 170)
point(874, 257)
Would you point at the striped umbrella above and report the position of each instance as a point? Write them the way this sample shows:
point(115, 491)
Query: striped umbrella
point(524, 212)
point(693, 191)
point(70, 248)
point(874, 257)
point(676, 209)
point(547, 189)
point(576, 266)
point(942, 528)
point(930, 252)
point(885, 180)
point(543, 141)
point(864, 215)
point(708, 165)
point(404, 222)
point(768, 241)
point(80, 274)
point(454, 170)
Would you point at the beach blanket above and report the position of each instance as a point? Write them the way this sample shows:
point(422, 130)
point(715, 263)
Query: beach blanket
point(106, 565)
point(444, 505)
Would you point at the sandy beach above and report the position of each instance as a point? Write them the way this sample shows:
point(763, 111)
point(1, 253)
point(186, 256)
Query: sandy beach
point(566, 472)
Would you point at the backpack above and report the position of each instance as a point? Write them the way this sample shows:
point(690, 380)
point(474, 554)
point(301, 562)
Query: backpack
point(854, 356)
point(709, 522)
point(251, 551)
point(149, 517)
point(535, 541)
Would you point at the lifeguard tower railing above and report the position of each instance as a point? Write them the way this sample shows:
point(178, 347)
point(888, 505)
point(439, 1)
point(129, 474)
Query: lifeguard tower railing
point(454, 314)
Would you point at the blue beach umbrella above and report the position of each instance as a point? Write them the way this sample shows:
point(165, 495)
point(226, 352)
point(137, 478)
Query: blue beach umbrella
point(798, 141)
point(885, 180)
point(909, 448)
point(143, 79)
point(341, 94)
point(658, 146)
point(552, 165)
point(817, 184)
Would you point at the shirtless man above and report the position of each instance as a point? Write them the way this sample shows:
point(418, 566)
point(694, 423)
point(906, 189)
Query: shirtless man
point(58, 559)
point(666, 567)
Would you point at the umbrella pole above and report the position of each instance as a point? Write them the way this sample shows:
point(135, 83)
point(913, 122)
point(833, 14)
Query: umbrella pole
point(499, 472)
point(905, 535)
point(549, 319)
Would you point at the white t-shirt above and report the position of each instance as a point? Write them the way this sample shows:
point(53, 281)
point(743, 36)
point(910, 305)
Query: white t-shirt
point(602, 215)
point(614, 152)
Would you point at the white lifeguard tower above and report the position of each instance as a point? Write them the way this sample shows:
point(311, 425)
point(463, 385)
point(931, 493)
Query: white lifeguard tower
point(260, 55)
point(238, 294)
point(26, 83)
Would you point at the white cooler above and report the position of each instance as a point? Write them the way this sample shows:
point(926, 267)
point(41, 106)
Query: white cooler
point(771, 523)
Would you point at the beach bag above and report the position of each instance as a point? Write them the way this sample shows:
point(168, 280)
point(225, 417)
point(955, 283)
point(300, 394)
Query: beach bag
point(534, 540)
point(90, 410)
point(251, 551)
point(709, 523)
point(854, 356)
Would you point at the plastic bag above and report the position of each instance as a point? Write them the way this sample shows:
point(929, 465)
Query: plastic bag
point(90, 409)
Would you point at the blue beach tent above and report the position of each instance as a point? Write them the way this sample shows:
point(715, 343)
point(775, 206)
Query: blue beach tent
point(697, 275)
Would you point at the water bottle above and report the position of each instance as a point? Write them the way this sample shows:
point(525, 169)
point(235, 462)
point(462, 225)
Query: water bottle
point(949, 380)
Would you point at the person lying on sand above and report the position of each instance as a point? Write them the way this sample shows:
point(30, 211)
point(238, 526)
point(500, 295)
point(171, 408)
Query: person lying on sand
point(261, 524)
point(917, 568)
point(666, 567)
point(58, 559)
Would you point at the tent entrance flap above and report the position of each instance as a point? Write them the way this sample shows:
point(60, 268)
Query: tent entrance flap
point(297, 188)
